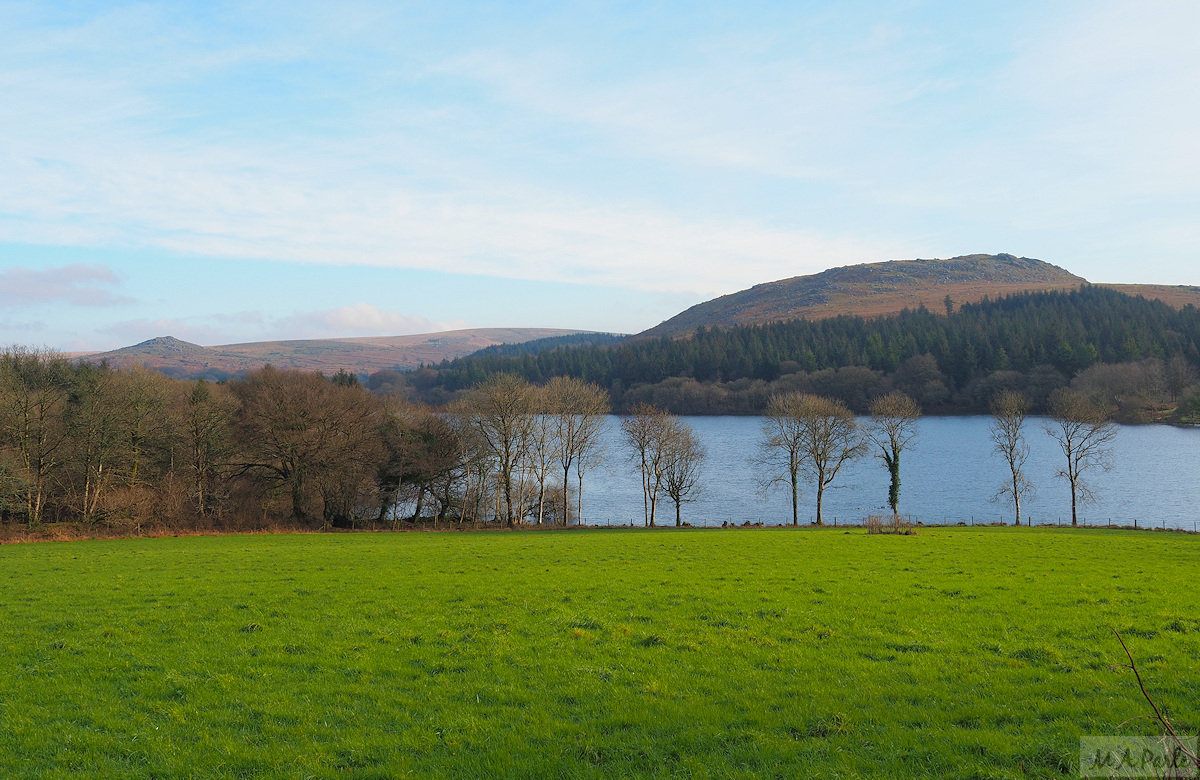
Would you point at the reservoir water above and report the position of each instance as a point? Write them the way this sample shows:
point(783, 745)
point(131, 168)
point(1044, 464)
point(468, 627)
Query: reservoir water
point(949, 474)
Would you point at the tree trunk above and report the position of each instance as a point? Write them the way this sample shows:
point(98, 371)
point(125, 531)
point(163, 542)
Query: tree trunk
point(820, 496)
point(566, 497)
point(298, 499)
point(795, 500)
point(136, 453)
point(1016, 501)
point(87, 491)
point(646, 493)
point(444, 510)
point(97, 484)
point(509, 515)
point(893, 463)
point(420, 505)
point(579, 500)
point(499, 490)
point(34, 499)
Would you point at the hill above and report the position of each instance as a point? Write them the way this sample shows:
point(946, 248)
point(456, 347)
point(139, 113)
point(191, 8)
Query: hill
point(354, 355)
point(1174, 295)
point(880, 289)
point(1032, 342)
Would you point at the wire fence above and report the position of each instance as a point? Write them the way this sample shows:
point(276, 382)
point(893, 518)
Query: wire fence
point(917, 521)
point(906, 521)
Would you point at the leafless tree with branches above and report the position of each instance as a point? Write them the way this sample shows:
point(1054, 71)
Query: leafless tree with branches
point(1085, 434)
point(1009, 409)
point(684, 457)
point(576, 411)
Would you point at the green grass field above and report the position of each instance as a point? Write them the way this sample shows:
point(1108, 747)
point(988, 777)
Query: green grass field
point(963, 652)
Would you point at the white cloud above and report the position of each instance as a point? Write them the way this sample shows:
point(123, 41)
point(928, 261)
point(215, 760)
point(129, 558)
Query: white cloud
point(76, 284)
point(195, 330)
point(848, 142)
point(394, 195)
point(264, 205)
point(22, 326)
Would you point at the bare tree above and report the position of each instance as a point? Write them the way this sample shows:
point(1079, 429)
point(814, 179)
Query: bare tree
point(500, 410)
point(1131, 387)
point(591, 455)
point(34, 388)
point(829, 437)
point(542, 447)
point(648, 432)
point(683, 455)
point(437, 460)
point(315, 439)
point(421, 456)
point(893, 426)
point(474, 461)
point(96, 417)
point(668, 454)
point(1179, 375)
point(1085, 433)
point(576, 410)
point(205, 418)
point(146, 394)
point(1009, 409)
point(783, 447)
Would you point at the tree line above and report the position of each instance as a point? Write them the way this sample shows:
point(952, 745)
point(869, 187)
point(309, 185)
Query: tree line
point(1141, 354)
point(808, 435)
point(123, 449)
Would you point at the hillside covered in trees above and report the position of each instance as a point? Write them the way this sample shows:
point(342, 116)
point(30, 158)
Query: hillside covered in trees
point(1140, 355)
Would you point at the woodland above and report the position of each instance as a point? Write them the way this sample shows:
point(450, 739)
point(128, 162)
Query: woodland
point(130, 450)
point(1140, 356)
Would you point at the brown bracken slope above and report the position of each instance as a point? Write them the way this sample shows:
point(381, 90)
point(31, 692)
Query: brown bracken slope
point(879, 289)
point(353, 355)
point(1177, 295)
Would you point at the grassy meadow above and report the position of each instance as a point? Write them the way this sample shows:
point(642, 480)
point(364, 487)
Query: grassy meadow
point(966, 652)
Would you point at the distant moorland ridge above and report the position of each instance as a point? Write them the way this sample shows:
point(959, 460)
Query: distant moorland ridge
point(368, 355)
point(866, 290)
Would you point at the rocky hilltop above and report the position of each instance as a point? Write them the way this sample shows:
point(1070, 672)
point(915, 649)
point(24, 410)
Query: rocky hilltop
point(873, 289)
point(879, 289)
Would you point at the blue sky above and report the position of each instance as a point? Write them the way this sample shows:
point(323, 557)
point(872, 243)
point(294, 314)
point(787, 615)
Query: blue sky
point(249, 171)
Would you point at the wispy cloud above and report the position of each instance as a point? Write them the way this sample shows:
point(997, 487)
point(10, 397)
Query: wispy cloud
point(22, 326)
point(1115, 87)
point(396, 183)
point(749, 105)
point(360, 319)
point(78, 285)
point(679, 152)
point(134, 331)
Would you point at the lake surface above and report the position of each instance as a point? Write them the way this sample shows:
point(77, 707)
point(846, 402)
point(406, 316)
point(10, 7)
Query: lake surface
point(948, 474)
